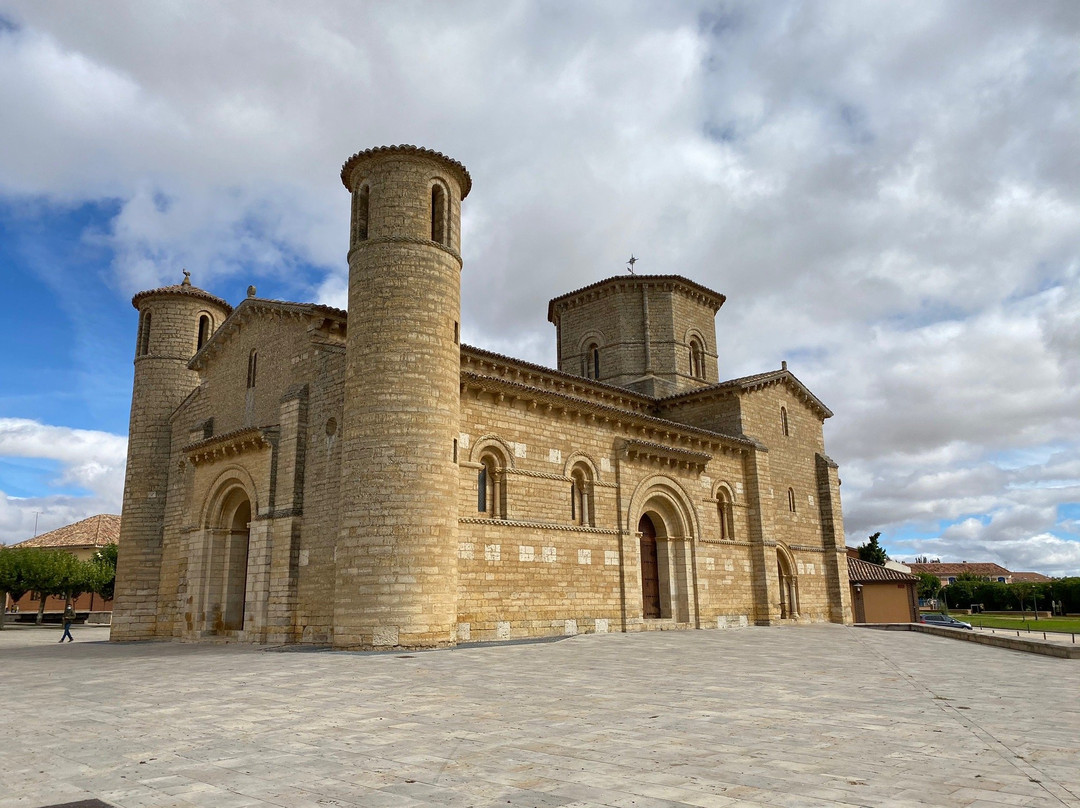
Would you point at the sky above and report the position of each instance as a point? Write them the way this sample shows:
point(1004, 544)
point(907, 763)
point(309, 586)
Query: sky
point(887, 193)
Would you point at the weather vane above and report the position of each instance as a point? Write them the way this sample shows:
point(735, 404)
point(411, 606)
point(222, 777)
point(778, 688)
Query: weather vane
point(630, 264)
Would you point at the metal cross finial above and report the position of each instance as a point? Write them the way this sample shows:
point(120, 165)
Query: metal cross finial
point(630, 264)
point(187, 278)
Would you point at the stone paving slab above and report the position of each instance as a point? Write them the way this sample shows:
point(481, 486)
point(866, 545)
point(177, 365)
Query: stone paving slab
point(794, 716)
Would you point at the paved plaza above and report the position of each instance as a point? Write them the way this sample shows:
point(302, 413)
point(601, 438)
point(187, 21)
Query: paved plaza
point(800, 716)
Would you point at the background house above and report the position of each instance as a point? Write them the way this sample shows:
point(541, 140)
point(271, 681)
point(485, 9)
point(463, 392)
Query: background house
point(81, 539)
point(949, 573)
point(880, 594)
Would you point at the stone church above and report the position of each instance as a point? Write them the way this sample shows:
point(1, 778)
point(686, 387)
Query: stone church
point(299, 475)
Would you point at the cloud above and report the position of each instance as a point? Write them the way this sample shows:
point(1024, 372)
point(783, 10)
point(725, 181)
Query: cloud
point(88, 460)
point(889, 199)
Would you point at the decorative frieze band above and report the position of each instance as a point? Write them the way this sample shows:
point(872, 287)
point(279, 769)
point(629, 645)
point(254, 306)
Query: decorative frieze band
point(424, 242)
point(476, 520)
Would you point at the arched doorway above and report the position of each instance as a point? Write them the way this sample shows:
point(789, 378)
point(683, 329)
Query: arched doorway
point(650, 569)
point(229, 562)
point(789, 584)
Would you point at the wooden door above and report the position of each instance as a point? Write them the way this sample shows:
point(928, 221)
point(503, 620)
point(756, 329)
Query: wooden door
point(650, 570)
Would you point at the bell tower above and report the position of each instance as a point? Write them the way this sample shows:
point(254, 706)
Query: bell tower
point(655, 334)
point(396, 555)
point(174, 322)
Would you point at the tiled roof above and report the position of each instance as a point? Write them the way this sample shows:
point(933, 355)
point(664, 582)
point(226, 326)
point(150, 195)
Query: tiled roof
point(862, 572)
point(251, 307)
point(624, 392)
point(715, 299)
point(754, 382)
point(97, 531)
point(184, 288)
point(939, 569)
point(1030, 578)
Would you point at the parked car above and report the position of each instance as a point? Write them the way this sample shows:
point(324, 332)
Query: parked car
point(943, 620)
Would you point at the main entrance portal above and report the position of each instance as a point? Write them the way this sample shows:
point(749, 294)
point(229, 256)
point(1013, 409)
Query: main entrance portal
point(650, 569)
point(228, 564)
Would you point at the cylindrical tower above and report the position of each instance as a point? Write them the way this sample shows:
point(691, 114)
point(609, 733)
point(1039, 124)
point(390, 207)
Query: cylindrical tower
point(396, 558)
point(174, 322)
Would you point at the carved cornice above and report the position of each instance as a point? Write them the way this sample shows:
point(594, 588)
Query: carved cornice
point(504, 391)
point(231, 444)
point(649, 452)
point(464, 180)
point(485, 363)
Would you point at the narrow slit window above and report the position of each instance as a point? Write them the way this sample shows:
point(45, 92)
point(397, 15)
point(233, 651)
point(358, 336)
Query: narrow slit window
point(438, 214)
point(144, 335)
point(784, 421)
point(253, 367)
point(360, 214)
point(592, 362)
point(481, 490)
point(791, 500)
point(204, 331)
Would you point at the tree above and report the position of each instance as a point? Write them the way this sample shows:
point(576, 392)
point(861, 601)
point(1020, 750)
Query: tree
point(872, 551)
point(53, 572)
point(102, 572)
point(972, 576)
point(12, 578)
point(928, 585)
point(1023, 593)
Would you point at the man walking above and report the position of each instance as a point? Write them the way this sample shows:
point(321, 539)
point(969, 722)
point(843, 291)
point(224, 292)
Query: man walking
point(69, 618)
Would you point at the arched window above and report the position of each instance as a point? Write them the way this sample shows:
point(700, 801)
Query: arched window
point(438, 214)
point(791, 500)
point(581, 500)
point(724, 511)
point(591, 360)
point(253, 366)
point(204, 330)
point(697, 359)
point(360, 214)
point(490, 498)
point(784, 421)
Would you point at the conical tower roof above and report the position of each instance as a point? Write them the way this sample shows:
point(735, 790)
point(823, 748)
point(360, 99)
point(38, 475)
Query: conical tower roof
point(184, 288)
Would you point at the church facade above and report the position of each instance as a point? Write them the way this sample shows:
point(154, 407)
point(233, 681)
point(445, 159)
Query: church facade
point(296, 475)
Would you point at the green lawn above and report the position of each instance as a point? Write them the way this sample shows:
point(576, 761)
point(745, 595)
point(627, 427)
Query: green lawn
point(1066, 624)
